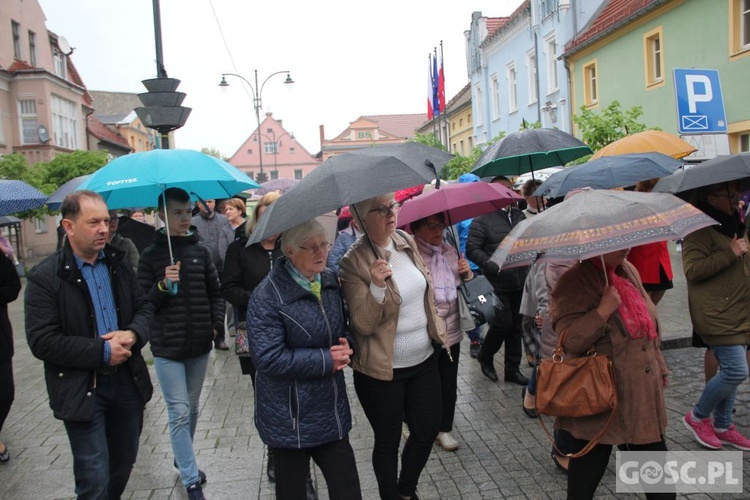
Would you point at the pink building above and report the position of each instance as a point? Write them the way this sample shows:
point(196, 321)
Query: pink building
point(283, 157)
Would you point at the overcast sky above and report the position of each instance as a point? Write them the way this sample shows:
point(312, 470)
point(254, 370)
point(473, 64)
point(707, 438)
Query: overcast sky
point(346, 58)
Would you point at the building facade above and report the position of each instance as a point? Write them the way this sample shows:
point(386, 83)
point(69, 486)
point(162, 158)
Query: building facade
point(370, 130)
point(276, 149)
point(629, 51)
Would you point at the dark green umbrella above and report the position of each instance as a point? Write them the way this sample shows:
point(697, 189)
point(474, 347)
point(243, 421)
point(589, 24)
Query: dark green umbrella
point(529, 150)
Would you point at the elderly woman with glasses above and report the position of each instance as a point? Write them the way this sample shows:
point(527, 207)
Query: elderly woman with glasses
point(299, 345)
point(446, 270)
point(398, 334)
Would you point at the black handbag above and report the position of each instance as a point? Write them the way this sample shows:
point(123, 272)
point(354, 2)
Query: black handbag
point(481, 300)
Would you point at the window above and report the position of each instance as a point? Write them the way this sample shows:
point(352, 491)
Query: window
point(28, 124)
point(291, 150)
point(590, 84)
point(547, 7)
point(250, 174)
point(40, 225)
point(61, 68)
point(274, 174)
point(269, 131)
point(453, 150)
point(462, 147)
point(739, 26)
point(249, 151)
point(364, 135)
point(471, 143)
point(16, 39)
point(744, 143)
point(653, 57)
point(269, 148)
point(495, 98)
point(32, 48)
point(531, 67)
point(298, 173)
point(551, 50)
point(65, 122)
point(512, 89)
point(479, 99)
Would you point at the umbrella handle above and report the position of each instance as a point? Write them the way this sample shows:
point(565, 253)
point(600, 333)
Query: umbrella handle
point(171, 287)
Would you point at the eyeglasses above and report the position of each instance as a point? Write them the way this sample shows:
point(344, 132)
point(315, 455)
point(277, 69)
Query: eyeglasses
point(432, 226)
point(384, 211)
point(323, 247)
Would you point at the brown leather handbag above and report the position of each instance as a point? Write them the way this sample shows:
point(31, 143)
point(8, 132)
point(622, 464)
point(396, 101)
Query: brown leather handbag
point(576, 387)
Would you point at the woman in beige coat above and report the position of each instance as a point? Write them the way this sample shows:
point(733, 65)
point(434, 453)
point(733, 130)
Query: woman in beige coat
point(620, 321)
point(397, 336)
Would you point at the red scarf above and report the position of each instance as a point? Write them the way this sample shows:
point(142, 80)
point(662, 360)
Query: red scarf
point(633, 309)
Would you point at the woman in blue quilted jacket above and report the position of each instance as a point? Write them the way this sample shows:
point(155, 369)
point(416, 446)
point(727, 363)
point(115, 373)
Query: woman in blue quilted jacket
point(300, 346)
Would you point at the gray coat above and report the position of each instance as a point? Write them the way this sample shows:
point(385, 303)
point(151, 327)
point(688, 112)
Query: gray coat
point(209, 232)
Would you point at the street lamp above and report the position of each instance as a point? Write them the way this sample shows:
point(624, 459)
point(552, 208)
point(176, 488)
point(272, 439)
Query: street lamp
point(257, 104)
point(276, 144)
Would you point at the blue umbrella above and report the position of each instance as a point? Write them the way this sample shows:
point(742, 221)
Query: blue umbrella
point(609, 172)
point(17, 196)
point(55, 199)
point(138, 179)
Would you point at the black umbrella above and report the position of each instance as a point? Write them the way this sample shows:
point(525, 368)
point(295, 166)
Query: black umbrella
point(349, 178)
point(723, 168)
point(529, 150)
point(609, 172)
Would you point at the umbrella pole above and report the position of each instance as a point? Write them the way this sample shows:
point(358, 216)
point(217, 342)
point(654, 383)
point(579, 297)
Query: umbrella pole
point(364, 230)
point(604, 269)
point(172, 287)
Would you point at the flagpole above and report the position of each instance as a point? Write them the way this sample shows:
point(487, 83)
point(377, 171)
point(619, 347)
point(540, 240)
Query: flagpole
point(443, 104)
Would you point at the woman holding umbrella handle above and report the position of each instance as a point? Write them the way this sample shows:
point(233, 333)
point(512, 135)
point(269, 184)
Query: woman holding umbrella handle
point(397, 335)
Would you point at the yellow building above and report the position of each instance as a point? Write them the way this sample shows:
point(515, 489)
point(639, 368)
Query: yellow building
point(459, 135)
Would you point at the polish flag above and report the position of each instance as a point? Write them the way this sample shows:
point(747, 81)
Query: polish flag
point(430, 90)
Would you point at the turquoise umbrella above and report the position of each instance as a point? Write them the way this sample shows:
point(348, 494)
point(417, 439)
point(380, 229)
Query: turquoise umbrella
point(138, 179)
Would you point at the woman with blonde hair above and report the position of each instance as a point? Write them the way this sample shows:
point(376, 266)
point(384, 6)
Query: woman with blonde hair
point(398, 335)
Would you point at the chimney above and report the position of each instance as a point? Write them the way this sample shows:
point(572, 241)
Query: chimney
point(322, 135)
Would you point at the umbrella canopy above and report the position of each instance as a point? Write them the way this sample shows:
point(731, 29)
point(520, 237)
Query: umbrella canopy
point(609, 172)
point(529, 150)
point(17, 196)
point(349, 178)
point(56, 198)
point(137, 180)
point(281, 185)
point(723, 168)
point(458, 202)
point(648, 141)
point(596, 222)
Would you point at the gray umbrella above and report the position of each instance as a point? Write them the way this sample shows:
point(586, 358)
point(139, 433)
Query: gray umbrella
point(609, 172)
point(720, 169)
point(56, 198)
point(349, 178)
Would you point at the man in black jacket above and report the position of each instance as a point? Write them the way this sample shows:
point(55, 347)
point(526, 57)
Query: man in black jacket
point(87, 319)
point(485, 234)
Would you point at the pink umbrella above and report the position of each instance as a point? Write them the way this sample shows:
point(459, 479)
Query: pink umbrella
point(458, 202)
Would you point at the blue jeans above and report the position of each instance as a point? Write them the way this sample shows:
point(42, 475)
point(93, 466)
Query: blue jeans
point(181, 382)
point(719, 393)
point(105, 449)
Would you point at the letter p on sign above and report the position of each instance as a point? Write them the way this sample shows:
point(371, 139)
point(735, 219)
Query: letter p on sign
point(698, 90)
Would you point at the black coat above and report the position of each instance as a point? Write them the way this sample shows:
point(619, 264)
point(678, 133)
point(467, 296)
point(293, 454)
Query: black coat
point(183, 323)
point(485, 235)
point(61, 329)
point(244, 268)
point(10, 286)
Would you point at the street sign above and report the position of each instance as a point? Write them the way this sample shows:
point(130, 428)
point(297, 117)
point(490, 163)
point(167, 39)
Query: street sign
point(700, 106)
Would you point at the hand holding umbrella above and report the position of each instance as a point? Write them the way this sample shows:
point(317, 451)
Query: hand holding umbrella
point(171, 278)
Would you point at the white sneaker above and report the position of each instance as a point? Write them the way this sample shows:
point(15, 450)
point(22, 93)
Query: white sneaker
point(446, 441)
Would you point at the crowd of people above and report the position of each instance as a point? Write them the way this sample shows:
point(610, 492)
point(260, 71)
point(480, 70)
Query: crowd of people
point(379, 300)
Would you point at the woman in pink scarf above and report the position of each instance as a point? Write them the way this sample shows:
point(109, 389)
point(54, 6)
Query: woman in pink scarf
point(601, 302)
point(446, 271)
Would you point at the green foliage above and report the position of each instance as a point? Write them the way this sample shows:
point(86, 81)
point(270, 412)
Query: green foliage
point(428, 139)
point(47, 177)
point(529, 125)
point(214, 152)
point(612, 123)
point(461, 164)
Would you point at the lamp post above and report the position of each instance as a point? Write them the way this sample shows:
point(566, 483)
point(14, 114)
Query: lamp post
point(257, 104)
point(276, 144)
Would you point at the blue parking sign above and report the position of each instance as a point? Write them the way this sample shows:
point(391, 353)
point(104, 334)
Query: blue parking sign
point(700, 106)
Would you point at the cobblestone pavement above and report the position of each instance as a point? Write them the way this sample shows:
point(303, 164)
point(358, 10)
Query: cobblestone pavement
point(503, 453)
